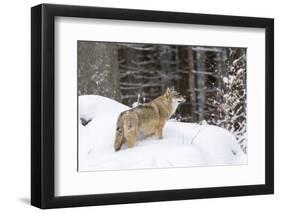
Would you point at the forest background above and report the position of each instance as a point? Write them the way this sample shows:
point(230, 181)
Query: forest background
point(213, 79)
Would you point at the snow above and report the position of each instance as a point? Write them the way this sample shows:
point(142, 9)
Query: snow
point(225, 80)
point(183, 145)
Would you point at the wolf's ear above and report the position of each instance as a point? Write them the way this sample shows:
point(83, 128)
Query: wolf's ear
point(168, 90)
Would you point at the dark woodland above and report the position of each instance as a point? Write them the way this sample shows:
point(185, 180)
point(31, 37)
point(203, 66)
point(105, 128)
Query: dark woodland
point(213, 79)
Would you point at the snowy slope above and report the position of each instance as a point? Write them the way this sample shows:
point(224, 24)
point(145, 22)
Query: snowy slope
point(183, 145)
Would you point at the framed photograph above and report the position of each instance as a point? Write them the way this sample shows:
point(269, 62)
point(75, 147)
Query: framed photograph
point(139, 106)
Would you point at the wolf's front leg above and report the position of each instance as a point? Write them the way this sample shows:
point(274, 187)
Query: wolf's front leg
point(159, 131)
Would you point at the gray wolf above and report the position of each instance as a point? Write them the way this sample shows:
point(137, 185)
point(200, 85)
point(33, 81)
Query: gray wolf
point(146, 119)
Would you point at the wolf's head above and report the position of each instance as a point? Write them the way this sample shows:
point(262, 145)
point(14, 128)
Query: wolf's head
point(172, 95)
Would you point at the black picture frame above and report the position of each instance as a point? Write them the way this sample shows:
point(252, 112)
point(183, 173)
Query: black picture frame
point(43, 105)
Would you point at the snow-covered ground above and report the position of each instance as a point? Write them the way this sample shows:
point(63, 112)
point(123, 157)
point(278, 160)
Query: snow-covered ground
point(183, 145)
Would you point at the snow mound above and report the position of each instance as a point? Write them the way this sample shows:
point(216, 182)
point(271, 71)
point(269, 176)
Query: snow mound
point(183, 145)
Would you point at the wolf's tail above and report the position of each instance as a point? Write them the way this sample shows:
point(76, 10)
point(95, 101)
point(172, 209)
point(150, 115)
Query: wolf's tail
point(119, 135)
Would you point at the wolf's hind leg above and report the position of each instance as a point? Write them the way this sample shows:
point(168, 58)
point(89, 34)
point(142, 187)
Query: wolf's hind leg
point(131, 129)
point(131, 137)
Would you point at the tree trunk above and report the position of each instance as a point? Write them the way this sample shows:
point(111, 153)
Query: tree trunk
point(98, 69)
point(192, 83)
